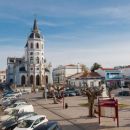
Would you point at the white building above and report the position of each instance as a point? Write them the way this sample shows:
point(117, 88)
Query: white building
point(90, 79)
point(62, 72)
point(2, 76)
point(31, 69)
point(125, 71)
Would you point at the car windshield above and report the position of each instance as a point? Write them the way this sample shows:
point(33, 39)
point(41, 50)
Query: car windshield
point(11, 119)
point(14, 112)
point(25, 124)
point(13, 105)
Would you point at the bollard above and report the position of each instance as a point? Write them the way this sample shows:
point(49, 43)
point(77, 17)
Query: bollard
point(66, 105)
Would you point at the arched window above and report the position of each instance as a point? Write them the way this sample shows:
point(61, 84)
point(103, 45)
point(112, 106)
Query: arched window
point(37, 45)
point(11, 81)
point(37, 80)
point(31, 53)
point(31, 45)
point(46, 79)
point(37, 60)
point(23, 80)
point(31, 79)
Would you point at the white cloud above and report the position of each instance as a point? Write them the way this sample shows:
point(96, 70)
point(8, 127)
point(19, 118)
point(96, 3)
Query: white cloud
point(109, 56)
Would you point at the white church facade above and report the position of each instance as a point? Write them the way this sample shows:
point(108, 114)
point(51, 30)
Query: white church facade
point(32, 69)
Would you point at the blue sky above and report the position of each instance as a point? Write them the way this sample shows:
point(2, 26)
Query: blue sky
point(75, 31)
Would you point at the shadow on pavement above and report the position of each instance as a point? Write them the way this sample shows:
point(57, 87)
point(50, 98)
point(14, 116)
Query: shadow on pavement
point(87, 126)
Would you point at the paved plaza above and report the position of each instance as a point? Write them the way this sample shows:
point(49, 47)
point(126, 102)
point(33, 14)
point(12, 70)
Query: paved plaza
point(75, 117)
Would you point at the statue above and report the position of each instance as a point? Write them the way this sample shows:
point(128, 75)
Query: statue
point(105, 92)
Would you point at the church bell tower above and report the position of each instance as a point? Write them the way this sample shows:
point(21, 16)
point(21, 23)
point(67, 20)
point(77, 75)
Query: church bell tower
point(34, 57)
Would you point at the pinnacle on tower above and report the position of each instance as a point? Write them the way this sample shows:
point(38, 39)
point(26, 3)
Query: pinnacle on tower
point(35, 26)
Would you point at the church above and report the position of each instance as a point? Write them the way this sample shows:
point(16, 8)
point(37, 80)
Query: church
point(32, 69)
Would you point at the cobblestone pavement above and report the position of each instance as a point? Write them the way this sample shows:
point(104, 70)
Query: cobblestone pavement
point(75, 117)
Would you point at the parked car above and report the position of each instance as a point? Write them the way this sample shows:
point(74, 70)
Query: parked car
point(31, 122)
point(24, 115)
point(78, 92)
point(124, 93)
point(19, 109)
point(69, 93)
point(50, 125)
point(10, 102)
point(10, 124)
point(13, 106)
point(23, 108)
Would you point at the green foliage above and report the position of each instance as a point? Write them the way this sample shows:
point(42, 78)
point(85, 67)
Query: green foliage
point(95, 66)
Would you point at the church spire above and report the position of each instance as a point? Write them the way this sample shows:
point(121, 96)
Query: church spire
point(35, 26)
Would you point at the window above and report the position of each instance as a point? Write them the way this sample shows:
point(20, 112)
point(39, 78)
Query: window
point(11, 60)
point(37, 45)
point(31, 59)
point(31, 45)
point(91, 84)
point(37, 60)
point(31, 69)
point(31, 53)
point(42, 46)
point(36, 122)
point(42, 119)
point(37, 68)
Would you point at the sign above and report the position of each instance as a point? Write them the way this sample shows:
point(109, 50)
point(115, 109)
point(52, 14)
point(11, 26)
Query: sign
point(108, 108)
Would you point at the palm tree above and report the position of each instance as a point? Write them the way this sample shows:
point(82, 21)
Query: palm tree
point(95, 67)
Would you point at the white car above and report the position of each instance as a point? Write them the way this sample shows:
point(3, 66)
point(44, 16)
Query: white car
point(25, 115)
point(31, 122)
point(9, 109)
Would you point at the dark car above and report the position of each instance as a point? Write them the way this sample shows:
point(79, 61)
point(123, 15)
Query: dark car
point(50, 125)
point(78, 92)
point(124, 93)
point(69, 93)
point(9, 124)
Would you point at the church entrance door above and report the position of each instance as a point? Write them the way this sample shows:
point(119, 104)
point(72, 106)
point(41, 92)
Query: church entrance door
point(37, 80)
point(31, 79)
point(23, 80)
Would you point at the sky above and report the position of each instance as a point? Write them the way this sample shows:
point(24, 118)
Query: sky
point(75, 31)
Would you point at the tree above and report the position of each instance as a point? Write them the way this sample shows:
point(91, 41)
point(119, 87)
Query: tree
point(84, 68)
point(92, 93)
point(95, 67)
point(57, 92)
